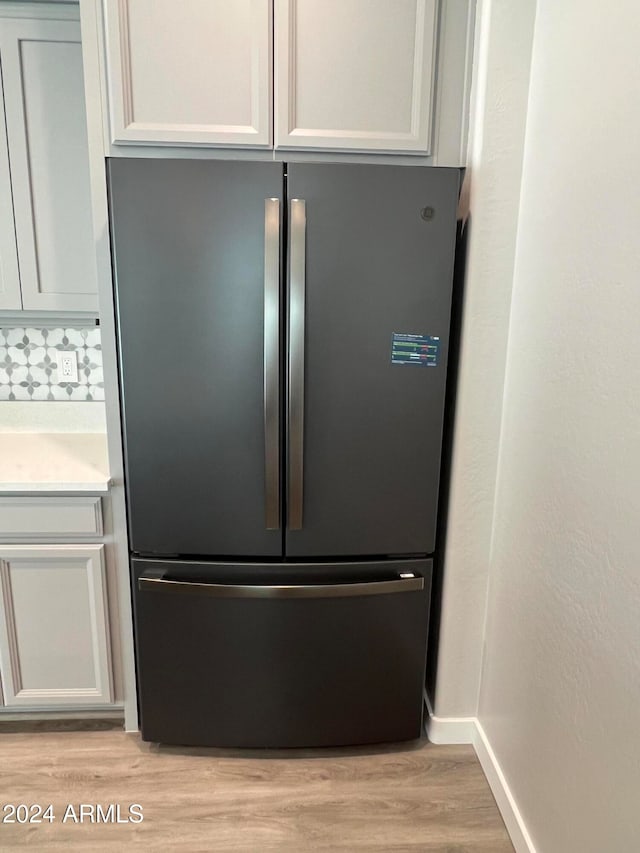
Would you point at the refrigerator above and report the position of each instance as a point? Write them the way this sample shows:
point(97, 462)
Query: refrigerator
point(283, 337)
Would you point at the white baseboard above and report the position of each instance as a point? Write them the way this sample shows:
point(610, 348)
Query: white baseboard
point(509, 810)
point(455, 730)
point(30, 715)
point(443, 730)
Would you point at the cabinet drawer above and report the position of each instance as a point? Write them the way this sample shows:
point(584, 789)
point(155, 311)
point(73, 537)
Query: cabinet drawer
point(38, 517)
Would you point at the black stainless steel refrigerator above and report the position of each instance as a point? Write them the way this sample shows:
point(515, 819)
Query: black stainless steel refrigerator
point(283, 334)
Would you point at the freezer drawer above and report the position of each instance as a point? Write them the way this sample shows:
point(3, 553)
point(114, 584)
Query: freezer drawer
point(239, 655)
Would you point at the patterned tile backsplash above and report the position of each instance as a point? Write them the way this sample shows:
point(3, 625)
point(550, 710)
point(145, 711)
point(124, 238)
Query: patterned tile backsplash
point(28, 367)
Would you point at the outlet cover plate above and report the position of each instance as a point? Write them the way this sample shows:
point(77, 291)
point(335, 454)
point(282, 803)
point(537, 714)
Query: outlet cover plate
point(67, 366)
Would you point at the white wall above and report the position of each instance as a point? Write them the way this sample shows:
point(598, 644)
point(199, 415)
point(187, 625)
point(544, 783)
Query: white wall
point(504, 34)
point(560, 695)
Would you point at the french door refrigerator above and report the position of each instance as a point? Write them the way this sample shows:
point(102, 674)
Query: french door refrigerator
point(283, 335)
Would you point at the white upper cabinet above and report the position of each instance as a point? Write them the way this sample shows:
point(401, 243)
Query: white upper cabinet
point(190, 71)
point(351, 76)
point(9, 275)
point(355, 74)
point(42, 81)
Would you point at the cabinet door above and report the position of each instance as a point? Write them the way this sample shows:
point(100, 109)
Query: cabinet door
point(9, 276)
point(190, 72)
point(54, 644)
point(355, 74)
point(48, 152)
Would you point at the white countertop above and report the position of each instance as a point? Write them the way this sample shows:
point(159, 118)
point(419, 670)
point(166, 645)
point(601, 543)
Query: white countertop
point(53, 462)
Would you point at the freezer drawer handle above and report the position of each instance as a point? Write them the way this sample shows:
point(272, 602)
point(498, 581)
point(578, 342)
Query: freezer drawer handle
point(152, 581)
point(297, 239)
point(271, 362)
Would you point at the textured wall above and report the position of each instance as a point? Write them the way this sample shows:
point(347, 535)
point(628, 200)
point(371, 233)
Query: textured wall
point(503, 51)
point(28, 367)
point(560, 697)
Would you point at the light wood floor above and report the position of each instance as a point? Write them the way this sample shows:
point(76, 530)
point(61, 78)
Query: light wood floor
point(419, 798)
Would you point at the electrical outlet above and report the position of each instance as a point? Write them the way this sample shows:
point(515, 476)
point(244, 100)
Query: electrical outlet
point(67, 366)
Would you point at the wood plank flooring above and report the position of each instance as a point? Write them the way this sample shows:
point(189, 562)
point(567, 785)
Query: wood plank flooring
point(415, 798)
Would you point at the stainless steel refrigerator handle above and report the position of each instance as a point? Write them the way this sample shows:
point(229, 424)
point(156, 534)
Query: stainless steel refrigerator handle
point(271, 362)
point(154, 582)
point(297, 240)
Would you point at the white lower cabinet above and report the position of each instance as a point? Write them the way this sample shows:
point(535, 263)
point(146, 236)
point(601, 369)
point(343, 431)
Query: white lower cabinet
point(54, 627)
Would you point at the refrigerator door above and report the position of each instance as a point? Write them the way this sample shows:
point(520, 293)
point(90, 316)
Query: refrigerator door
point(371, 259)
point(274, 655)
point(196, 256)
